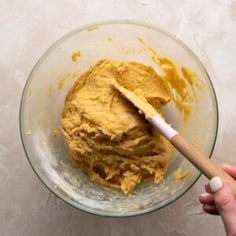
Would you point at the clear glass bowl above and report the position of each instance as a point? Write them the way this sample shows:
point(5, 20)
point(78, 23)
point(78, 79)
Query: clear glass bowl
point(43, 100)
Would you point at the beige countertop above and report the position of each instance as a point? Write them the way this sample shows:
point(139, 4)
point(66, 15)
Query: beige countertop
point(27, 29)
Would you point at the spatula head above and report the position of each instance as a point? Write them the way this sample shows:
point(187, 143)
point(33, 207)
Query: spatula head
point(139, 102)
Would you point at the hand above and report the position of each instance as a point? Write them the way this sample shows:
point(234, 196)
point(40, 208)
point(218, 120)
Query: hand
point(220, 200)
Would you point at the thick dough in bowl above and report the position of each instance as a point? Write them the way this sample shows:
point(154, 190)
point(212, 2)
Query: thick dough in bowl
point(104, 132)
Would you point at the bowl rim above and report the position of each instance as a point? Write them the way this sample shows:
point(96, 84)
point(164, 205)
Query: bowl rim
point(99, 24)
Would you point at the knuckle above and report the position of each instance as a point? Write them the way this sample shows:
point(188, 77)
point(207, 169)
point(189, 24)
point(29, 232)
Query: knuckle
point(223, 200)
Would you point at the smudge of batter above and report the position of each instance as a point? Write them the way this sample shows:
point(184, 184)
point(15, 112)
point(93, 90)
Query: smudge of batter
point(54, 132)
point(180, 175)
point(28, 132)
point(61, 83)
point(75, 56)
point(181, 84)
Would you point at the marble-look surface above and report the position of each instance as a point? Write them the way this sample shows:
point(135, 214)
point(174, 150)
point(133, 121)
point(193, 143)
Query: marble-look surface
point(27, 29)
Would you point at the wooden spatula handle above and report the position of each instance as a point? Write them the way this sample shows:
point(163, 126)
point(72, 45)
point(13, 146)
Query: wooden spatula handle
point(207, 166)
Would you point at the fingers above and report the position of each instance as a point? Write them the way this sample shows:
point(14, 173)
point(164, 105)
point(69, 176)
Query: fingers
point(210, 209)
point(220, 200)
point(230, 170)
point(225, 203)
point(223, 196)
point(206, 199)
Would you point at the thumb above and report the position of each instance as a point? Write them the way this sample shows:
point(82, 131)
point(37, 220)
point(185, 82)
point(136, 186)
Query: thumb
point(225, 203)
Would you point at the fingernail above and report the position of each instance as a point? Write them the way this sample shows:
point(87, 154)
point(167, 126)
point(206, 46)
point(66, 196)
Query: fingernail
point(226, 165)
point(203, 195)
point(216, 184)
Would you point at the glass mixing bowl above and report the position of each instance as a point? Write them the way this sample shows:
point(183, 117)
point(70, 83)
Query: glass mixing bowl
point(43, 100)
